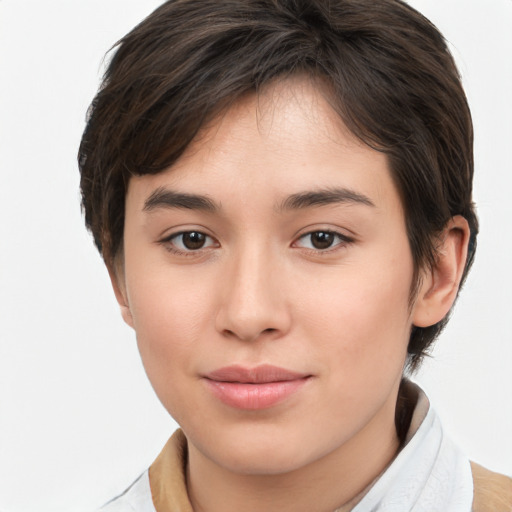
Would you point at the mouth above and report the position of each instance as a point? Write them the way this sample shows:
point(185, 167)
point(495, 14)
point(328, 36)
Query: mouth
point(254, 388)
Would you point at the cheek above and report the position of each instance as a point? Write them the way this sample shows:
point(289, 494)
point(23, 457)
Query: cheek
point(360, 316)
point(360, 329)
point(169, 313)
point(166, 300)
point(164, 316)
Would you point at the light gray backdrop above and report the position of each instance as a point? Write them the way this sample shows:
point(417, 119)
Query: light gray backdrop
point(78, 419)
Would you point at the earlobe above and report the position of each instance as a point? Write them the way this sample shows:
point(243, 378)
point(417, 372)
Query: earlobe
point(117, 280)
point(440, 286)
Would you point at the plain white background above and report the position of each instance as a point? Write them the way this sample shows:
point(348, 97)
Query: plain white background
point(78, 419)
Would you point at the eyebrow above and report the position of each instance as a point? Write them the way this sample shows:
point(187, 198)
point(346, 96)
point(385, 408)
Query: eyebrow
point(165, 198)
point(324, 197)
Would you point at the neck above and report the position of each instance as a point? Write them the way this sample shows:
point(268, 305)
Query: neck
point(335, 481)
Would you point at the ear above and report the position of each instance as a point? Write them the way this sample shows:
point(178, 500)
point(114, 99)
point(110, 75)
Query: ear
point(440, 286)
point(119, 287)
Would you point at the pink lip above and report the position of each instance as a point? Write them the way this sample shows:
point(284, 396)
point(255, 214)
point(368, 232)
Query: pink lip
point(254, 388)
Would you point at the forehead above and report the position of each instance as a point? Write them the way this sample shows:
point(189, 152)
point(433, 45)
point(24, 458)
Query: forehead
point(282, 115)
point(284, 140)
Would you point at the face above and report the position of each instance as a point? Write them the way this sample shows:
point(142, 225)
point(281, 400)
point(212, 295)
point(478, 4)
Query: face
point(267, 276)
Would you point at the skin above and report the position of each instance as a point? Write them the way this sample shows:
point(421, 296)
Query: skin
point(260, 292)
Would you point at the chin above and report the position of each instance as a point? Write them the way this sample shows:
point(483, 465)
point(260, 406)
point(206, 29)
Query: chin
point(272, 462)
point(266, 452)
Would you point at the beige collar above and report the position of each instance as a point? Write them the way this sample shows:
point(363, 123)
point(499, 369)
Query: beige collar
point(167, 476)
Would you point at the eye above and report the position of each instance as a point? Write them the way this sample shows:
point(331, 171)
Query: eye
point(322, 240)
point(188, 241)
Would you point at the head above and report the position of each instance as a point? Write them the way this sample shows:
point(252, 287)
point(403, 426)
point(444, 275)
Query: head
point(184, 84)
point(383, 67)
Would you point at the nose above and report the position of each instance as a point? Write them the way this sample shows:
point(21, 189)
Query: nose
point(253, 302)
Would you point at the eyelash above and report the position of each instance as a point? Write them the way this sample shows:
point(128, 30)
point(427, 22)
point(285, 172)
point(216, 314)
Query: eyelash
point(342, 241)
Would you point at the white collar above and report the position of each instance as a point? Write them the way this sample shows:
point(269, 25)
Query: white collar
point(429, 474)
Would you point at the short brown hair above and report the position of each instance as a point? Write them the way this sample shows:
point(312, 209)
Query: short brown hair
point(387, 70)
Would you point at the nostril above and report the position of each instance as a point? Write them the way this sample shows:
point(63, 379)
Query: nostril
point(231, 333)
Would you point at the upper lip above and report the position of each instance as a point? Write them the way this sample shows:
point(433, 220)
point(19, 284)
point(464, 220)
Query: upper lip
point(258, 375)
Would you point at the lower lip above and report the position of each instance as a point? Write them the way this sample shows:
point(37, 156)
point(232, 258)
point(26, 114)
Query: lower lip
point(254, 396)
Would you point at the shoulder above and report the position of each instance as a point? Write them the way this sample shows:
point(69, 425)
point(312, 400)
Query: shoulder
point(137, 498)
point(492, 491)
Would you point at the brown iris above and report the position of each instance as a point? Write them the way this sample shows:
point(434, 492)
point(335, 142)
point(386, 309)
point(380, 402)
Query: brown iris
point(322, 239)
point(193, 240)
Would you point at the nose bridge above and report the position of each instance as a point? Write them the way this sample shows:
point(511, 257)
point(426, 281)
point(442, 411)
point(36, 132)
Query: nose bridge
point(252, 301)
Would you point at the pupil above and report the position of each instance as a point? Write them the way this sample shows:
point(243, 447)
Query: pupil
point(193, 240)
point(322, 239)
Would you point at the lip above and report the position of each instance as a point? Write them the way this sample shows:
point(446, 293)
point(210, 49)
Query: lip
point(254, 388)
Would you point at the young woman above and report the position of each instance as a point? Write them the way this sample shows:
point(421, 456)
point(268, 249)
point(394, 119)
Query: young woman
point(282, 193)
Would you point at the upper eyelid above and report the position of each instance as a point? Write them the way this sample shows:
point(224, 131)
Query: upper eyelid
point(180, 233)
point(170, 233)
point(343, 236)
point(330, 227)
